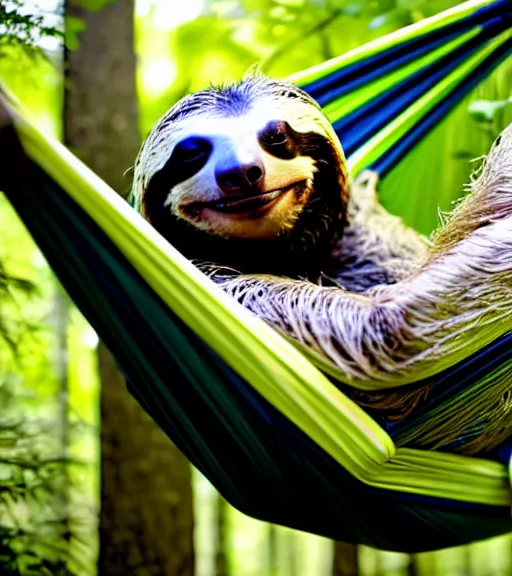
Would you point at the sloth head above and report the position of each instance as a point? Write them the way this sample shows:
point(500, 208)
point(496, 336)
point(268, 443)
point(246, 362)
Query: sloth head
point(250, 175)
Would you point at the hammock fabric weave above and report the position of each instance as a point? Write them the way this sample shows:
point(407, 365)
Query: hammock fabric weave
point(276, 437)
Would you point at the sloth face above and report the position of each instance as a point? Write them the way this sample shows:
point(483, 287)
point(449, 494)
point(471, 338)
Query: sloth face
point(240, 177)
point(253, 162)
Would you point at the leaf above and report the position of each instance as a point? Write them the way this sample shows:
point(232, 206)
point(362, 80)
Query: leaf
point(485, 110)
point(390, 20)
point(354, 9)
point(73, 27)
point(290, 3)
point(94, 5)
point(410, 4)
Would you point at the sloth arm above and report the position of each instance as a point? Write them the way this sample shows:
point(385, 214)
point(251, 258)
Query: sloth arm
point(464, 288)
point(392, 330)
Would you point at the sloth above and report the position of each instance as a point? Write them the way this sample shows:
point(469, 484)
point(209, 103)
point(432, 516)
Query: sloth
point(250, 182)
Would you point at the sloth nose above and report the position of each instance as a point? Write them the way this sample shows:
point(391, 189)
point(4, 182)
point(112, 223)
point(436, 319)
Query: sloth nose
point(242, 178)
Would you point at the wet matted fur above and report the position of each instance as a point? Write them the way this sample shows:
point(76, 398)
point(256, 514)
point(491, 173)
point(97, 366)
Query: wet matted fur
point(450, 293)
point(389, 307)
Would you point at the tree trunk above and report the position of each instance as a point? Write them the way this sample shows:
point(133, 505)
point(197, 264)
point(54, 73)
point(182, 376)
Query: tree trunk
point(272, 550)
point(221, 544)
point(146, 517)
point(292, 554)
point(412, 566)
point(345, 560)
point(146, 521)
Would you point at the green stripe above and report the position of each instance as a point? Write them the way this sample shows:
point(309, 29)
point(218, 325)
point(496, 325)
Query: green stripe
point(353, 100)
point(265, 360)
point(383, 43)
point(396, 129)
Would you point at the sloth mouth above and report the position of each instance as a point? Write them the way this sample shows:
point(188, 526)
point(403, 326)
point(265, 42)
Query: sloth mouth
point(248, 203)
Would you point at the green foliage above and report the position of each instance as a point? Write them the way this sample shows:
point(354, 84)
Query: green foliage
point(34, 527)
point(74, 26)
point(487, 110)
point(285, 36)
point(9, 286)
point(45, 527)
point(93, 5)
point(18, 27)
point(33, 534)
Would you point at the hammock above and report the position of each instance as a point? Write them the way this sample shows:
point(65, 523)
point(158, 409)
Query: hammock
point(277, 438)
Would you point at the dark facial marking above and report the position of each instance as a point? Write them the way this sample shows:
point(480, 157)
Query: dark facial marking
point(191, 154)
point(277, 138)
point(187, 159)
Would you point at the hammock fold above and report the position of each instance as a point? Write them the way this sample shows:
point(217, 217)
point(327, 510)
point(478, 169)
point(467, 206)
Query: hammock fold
point(277, 437)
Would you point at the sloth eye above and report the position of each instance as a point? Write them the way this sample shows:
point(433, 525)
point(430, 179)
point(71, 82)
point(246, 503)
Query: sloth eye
point(192, 149)
point(279, 139)
point(275, 133)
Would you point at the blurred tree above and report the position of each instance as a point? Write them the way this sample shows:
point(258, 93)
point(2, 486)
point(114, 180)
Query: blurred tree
point(345, 560)
point(272, 541)
point(222, 567)
point(35, 530)
point(60, 317)
point(35, 527)
point(146, 520)
point(412, 566)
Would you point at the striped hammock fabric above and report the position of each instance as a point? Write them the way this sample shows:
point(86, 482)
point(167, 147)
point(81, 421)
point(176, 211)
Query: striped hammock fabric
point(255, 414)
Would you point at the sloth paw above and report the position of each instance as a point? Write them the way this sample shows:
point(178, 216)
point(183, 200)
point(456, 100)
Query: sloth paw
point(364, 191)
point(367, 180)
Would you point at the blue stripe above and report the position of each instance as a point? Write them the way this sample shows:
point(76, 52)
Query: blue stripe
point(397, 152)
point(358, 127)
point(505, 452)
point(453, 381)
point(361, 77)
point(359, 73)
point(262, 463)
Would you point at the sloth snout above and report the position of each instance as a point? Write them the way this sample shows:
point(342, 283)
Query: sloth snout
point(241, 178)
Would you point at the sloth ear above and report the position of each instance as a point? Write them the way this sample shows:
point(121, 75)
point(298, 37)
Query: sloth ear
point(253, 71)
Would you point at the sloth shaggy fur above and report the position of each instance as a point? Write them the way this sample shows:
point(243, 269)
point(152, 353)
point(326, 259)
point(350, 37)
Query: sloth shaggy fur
point(448, 297)
point(391, 308)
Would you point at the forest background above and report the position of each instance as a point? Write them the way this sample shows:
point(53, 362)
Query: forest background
point(88, 484)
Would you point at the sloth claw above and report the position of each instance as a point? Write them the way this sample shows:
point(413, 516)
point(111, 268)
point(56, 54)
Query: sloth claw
point(364, 190)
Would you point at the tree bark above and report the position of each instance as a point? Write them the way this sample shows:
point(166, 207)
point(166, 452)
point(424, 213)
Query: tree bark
point(221, 544)
point(146, 520)
point(272, 550)
point(146, 517)
point(100, 100)
point(345, 560)
point(412, 566)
